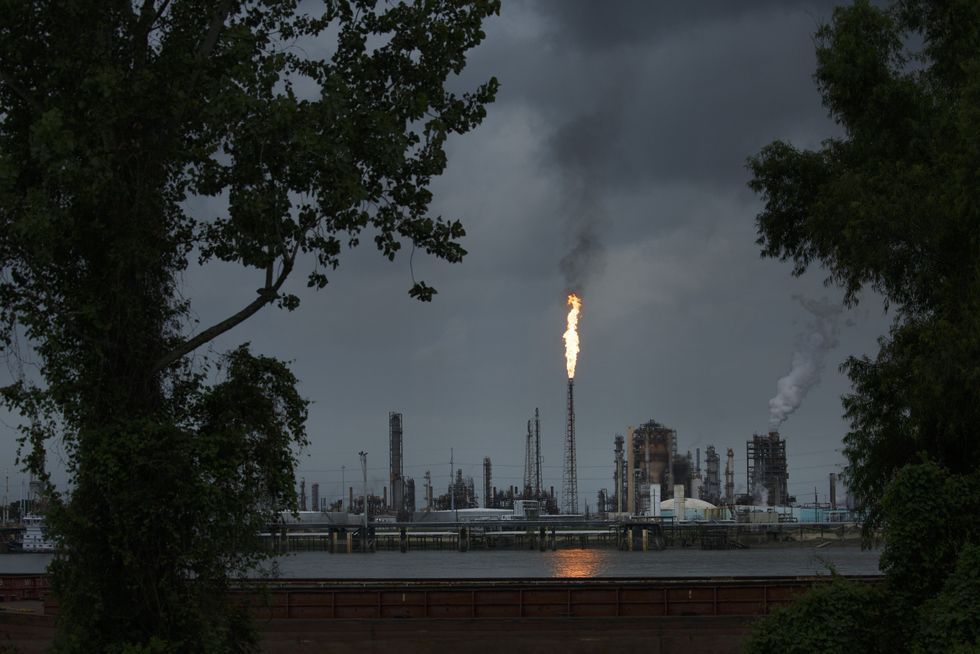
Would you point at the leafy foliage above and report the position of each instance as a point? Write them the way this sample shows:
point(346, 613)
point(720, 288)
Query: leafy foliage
point(842, 616)
point(950, 622)
point(309, 128)
point(923, 512)
point(927, 601)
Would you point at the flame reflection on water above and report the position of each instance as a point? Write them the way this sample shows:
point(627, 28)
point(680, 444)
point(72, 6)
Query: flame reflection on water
point(577, 563)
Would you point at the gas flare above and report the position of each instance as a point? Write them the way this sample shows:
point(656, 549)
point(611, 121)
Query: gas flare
point(571, 334)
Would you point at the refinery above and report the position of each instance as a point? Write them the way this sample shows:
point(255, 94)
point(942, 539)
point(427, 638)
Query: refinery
point(657, 495)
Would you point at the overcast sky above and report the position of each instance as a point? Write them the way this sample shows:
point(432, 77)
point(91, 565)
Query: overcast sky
point(620, 136)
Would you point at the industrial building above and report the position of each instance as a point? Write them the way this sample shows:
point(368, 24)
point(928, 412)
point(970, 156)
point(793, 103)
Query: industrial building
point(649, 469)
point(651, 460)
point(766, 474)
point(461, 494)
point(711, 488)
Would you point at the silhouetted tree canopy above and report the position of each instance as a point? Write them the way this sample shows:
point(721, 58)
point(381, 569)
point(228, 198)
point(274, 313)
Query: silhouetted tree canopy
point(894, 205)
point(311, 128)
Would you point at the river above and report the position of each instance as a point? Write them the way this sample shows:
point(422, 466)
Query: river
point(450, 564)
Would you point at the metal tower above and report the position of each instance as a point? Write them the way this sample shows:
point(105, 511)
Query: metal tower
point(569, 480)
point(765, 462)
point(537, 455)
point(396, 474)
point(428, 490)
point(618, 475)
point(487, 483)
point(730, 477)
point(528, 463)
point(711, 490)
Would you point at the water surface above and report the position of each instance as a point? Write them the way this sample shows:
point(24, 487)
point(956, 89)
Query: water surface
point(450, 564)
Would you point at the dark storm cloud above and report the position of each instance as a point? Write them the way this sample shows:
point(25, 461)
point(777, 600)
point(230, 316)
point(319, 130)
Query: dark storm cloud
point(577, 145)
point(628, 121)
point(676, 92)
point(585, 256)
point(639, 94)
point(592, 25)
point(587, 140)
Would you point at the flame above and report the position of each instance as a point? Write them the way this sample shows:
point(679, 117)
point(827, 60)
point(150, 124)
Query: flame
point(571, 334)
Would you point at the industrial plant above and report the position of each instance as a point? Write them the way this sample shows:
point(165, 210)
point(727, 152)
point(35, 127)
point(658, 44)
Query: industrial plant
point(660, 493)
point(649, 473)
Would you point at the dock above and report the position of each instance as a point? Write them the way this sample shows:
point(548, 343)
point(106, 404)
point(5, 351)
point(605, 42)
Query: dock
point(544, 535)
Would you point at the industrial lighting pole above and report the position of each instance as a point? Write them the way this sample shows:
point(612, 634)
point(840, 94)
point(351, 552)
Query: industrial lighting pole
point(364, 473)
point(343, 489)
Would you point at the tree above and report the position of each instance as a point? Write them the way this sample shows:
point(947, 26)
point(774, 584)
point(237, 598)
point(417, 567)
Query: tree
point(114, 117)
point(840, 616)
point(893, 205)
point(928, 597)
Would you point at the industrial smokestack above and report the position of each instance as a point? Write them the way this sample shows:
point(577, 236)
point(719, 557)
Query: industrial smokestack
point(396, 473)
point(487, 483)
point(569, 489)
point(570, 477)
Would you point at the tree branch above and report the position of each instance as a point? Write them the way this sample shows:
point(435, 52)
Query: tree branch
point(267, 294)
point(20, 91)
point(144, 25)
point(149, 15)
point(214, 29)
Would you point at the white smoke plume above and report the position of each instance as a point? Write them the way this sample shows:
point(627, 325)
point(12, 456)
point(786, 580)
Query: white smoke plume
point(808, 360)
